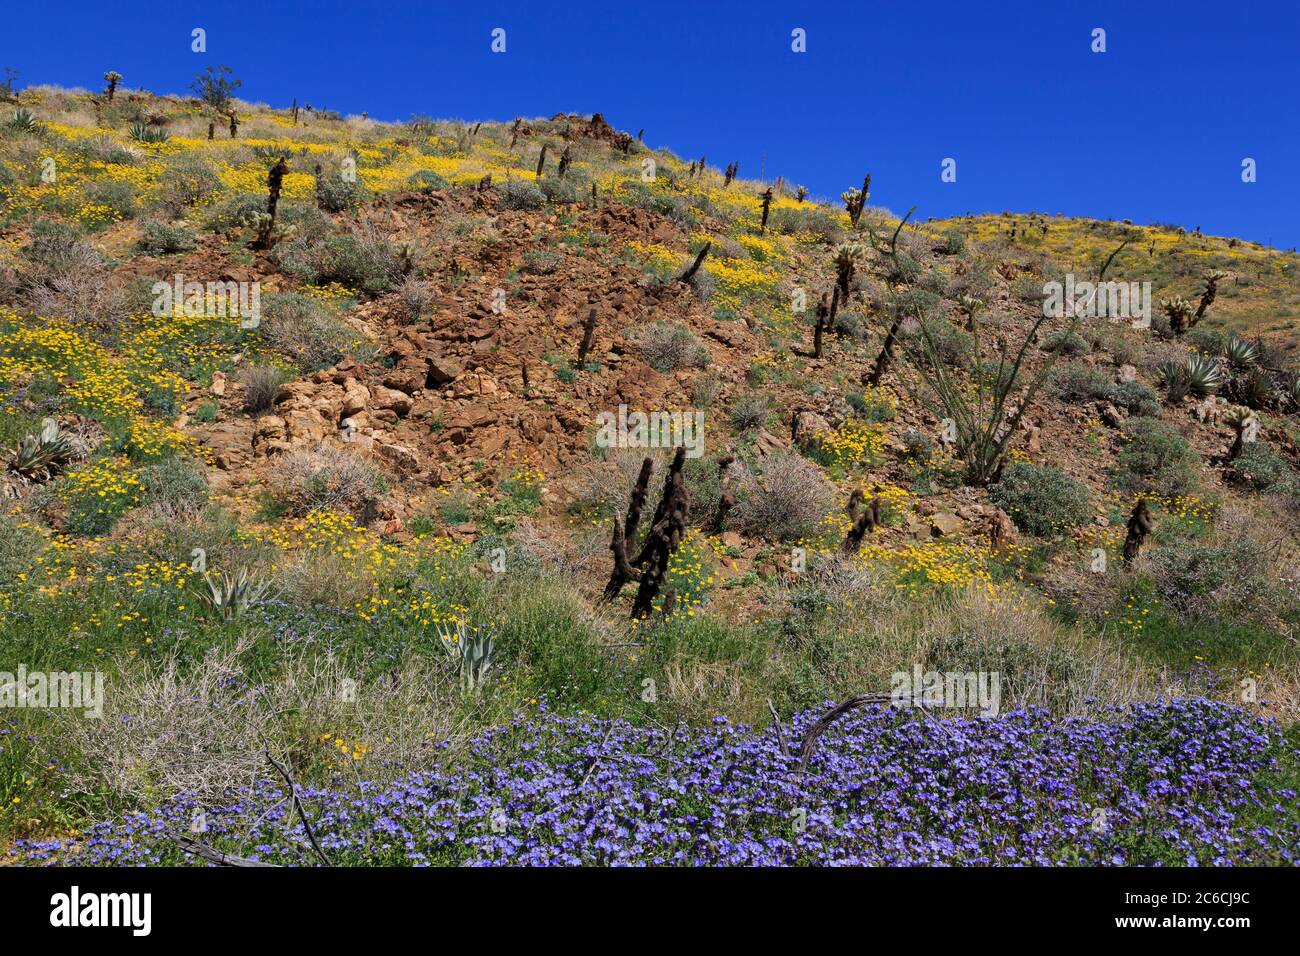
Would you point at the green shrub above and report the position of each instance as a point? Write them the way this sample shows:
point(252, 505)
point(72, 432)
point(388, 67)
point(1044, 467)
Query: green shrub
point(1156, 458)
point(117, 195)
point(669, 346)
point(187, 181)
point(158, 238)
point(1065, 342)
point(336, 194)
point(1258, 467)
point(517, 194)
point(1137, 399)
point(366, 265)
point(175, 484)
point(426, 181)
point(306, 330)
point(1040, 499)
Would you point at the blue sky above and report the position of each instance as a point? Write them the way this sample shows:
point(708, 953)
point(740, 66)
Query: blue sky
point(1155, 129)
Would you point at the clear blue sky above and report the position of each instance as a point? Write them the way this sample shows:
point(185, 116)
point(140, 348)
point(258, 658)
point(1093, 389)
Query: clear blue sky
point(1155, 129)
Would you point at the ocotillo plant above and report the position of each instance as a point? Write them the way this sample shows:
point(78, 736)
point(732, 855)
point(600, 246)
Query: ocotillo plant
point(894, 275)
point(860, 521)
point(1140, 524)
point(541, 160)
point(983, 418)
point(588, 334)
point(112, 77)
point(766, 196)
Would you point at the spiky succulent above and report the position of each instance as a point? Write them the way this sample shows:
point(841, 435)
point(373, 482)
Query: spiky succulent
point(23, 121)
point(143, 133)
point(470, 650)
point(1203, 375)
point(232, 596)
point(41, 455)
point(1241, 353)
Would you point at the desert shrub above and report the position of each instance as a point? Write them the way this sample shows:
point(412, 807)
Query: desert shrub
point(1156, 457)
point(1040, 499)
point(426, 181)
point(849, 324)
point(540, 262)
point(1227, 580)
point(705, 390)
point(950, 344)
point(233, 212)
point(1258, 467)
point(115, 194)
point(1065, 342)
point(917, 446)
point(414, 296)
point(336, 194)
point(517, 194)
point(306, 330)
point(1207, 340)
point(561, 191)
point(786, 501)
point(676, 208)
point(953, 243)
point(1075, 382)
point(1136, 398)
point(262, 386)
point(326, 478)
point(816, 222)
point(187, 181)
point(158, 238)
point(369, 265)
point(669, 346)
point(56, 250)
point(749, 411)
point(173, 485)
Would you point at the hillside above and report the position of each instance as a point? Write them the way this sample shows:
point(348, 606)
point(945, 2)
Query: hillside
point(367, 515)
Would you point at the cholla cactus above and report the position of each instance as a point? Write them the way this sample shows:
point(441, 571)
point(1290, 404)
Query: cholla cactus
point(267, 231)
point(42, 455)
point(855, 200)
point(1211, 290)
point(112, 78)
point(846, 260)
point(470, 650)
point(1241, 353)
point(232, 596)
point(1244, 423)
point(1179, 312)
point(969, 306)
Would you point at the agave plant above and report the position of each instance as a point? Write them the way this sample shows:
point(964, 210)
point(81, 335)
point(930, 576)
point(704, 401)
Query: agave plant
point(469, 650)
point(1241, 353)
point(232, 596)
point(1203, 375)
point(41, 455)
point(23, 121)
point(143, 133)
